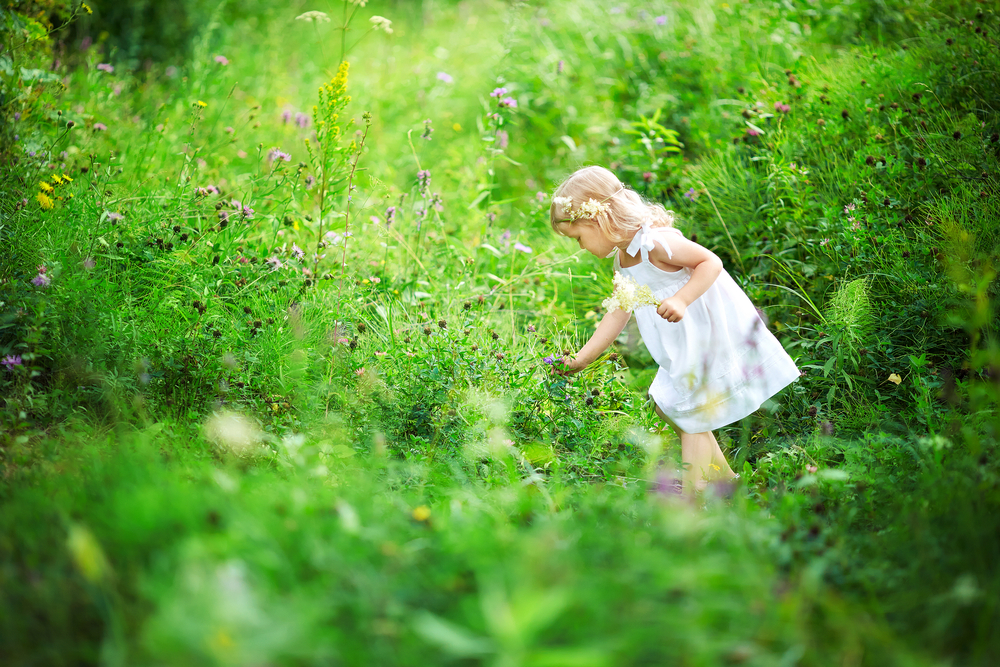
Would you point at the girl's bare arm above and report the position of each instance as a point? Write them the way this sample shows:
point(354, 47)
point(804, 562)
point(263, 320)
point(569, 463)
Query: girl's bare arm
point(607, 331)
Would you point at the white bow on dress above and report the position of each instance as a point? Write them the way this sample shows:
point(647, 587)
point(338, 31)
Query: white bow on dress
point(644, 240)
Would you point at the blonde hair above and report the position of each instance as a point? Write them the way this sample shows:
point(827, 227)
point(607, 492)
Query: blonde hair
point(626, 210)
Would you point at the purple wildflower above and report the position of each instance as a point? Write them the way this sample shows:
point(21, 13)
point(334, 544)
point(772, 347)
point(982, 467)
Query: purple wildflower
point(849, 208)
point(11, 360)
point(297, 251)
point(41, 280)
point(247, 213)
point(498, 92)
point(559, 67)
point(540, 196)
point(222, 60)
point(508, 102)
point(505, 237)
point(661, 20)
point(286, 116)
point(223, 216)
point(531, 328)
point(666, 484)
point(689, 194)
point(212, 189)
point(444, 76)
point(782, 107)
point(100, 127)
point(423, 174)
point(523, 248)
point(105, 67)
point(115, 217)
point(753, 132)
point(275, 263)
point(549, 360)
point(310, 181)
point(277, 154)
point(301, 119)
point(502, 139)
point(17, 115)
point(390, 215)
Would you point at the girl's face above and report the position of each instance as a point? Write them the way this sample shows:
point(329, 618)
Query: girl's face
point(589, 236)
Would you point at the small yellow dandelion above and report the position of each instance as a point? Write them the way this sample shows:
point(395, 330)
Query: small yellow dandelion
point(201, 104)
point(67, 178)
point(422, 513)
point(44, 187)
point(714, 467)
point(45, 201)
point(456, 127)
point(295, 225)
point(86, 8)
point(57, 179)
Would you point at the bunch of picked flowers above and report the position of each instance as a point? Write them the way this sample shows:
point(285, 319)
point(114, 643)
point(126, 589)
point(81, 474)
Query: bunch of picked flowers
point(629, 295)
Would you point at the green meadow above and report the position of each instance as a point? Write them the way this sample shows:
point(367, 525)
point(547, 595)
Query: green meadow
point(279, 298)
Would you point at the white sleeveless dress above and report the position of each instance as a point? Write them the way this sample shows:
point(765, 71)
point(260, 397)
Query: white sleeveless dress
point(719, 363)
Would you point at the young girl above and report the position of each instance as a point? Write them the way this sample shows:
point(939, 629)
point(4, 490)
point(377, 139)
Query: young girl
point(718, 362)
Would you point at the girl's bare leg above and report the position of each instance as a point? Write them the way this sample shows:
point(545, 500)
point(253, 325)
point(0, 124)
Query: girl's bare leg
point(701, 457)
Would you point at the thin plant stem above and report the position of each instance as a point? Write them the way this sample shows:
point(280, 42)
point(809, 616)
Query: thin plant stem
point(347, 213)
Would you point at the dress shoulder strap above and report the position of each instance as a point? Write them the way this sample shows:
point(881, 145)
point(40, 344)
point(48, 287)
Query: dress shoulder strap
point(646, 237)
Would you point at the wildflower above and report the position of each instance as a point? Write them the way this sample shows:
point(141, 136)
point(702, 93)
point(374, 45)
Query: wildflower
point(275, 263)
point(850, 207)
point(298, 252)
point(508, 102)
point(502, 139)
point(523, 248)
point(310, 181)
point(343, 341)
point(87, 9)
point(200, 104)
point(660, 20)
point(247, 212)
point(824, 242)
point(229, 129)
point(41, 280)
point(286, 116)
point(647, 176)
point(381, 23)
point(753, 132)
point(45, 187)
point(100, 127)
point(390, 215)
point(782, 107)
point(549, 360)
point(313, 17)
point(811, 468)
point(531, 328)
point(301, 119)
point(105, 67)
point(444, 76)
point(89, 263)
point(422, 513)
point(505, 237)
point(45, 201)
point(690, 194)
point(222, 60)
point(277, 154)
point(629, 295)
point(540, 196)
point(498, 92)
point(559, 67)
point(894, 378)
point(360, 372)
point(11, 360)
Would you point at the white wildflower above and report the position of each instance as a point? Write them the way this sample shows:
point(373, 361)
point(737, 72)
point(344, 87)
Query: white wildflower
point(381, 23)
point(234, 432)
point(359, 3)
point(629, 295)
point(592, 208)
point(318, 17)
point(563, 203)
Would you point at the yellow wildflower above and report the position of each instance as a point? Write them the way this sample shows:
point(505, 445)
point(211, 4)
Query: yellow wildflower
point(201, 104)
point(295, 225)
point(85, 8)
point(57, 179)
point(45, 201)
point(422, 513)
point(894, 378)
point(456, 127)
point(67, 178)
point(45, 187)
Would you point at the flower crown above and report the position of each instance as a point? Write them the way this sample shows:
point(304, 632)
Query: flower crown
point(588, 209)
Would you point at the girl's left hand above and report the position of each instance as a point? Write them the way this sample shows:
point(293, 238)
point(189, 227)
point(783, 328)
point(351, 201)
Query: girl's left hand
point(671, 309)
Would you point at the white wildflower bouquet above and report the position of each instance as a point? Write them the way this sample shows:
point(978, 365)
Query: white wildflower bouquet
point(629, 295)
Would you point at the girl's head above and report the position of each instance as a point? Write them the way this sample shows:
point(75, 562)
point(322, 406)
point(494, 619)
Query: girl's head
point(616, 212)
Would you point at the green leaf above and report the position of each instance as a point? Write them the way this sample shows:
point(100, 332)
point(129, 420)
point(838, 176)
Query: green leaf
point(454, 639)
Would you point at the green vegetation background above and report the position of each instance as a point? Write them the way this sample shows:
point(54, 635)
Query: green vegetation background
point(270, 411)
